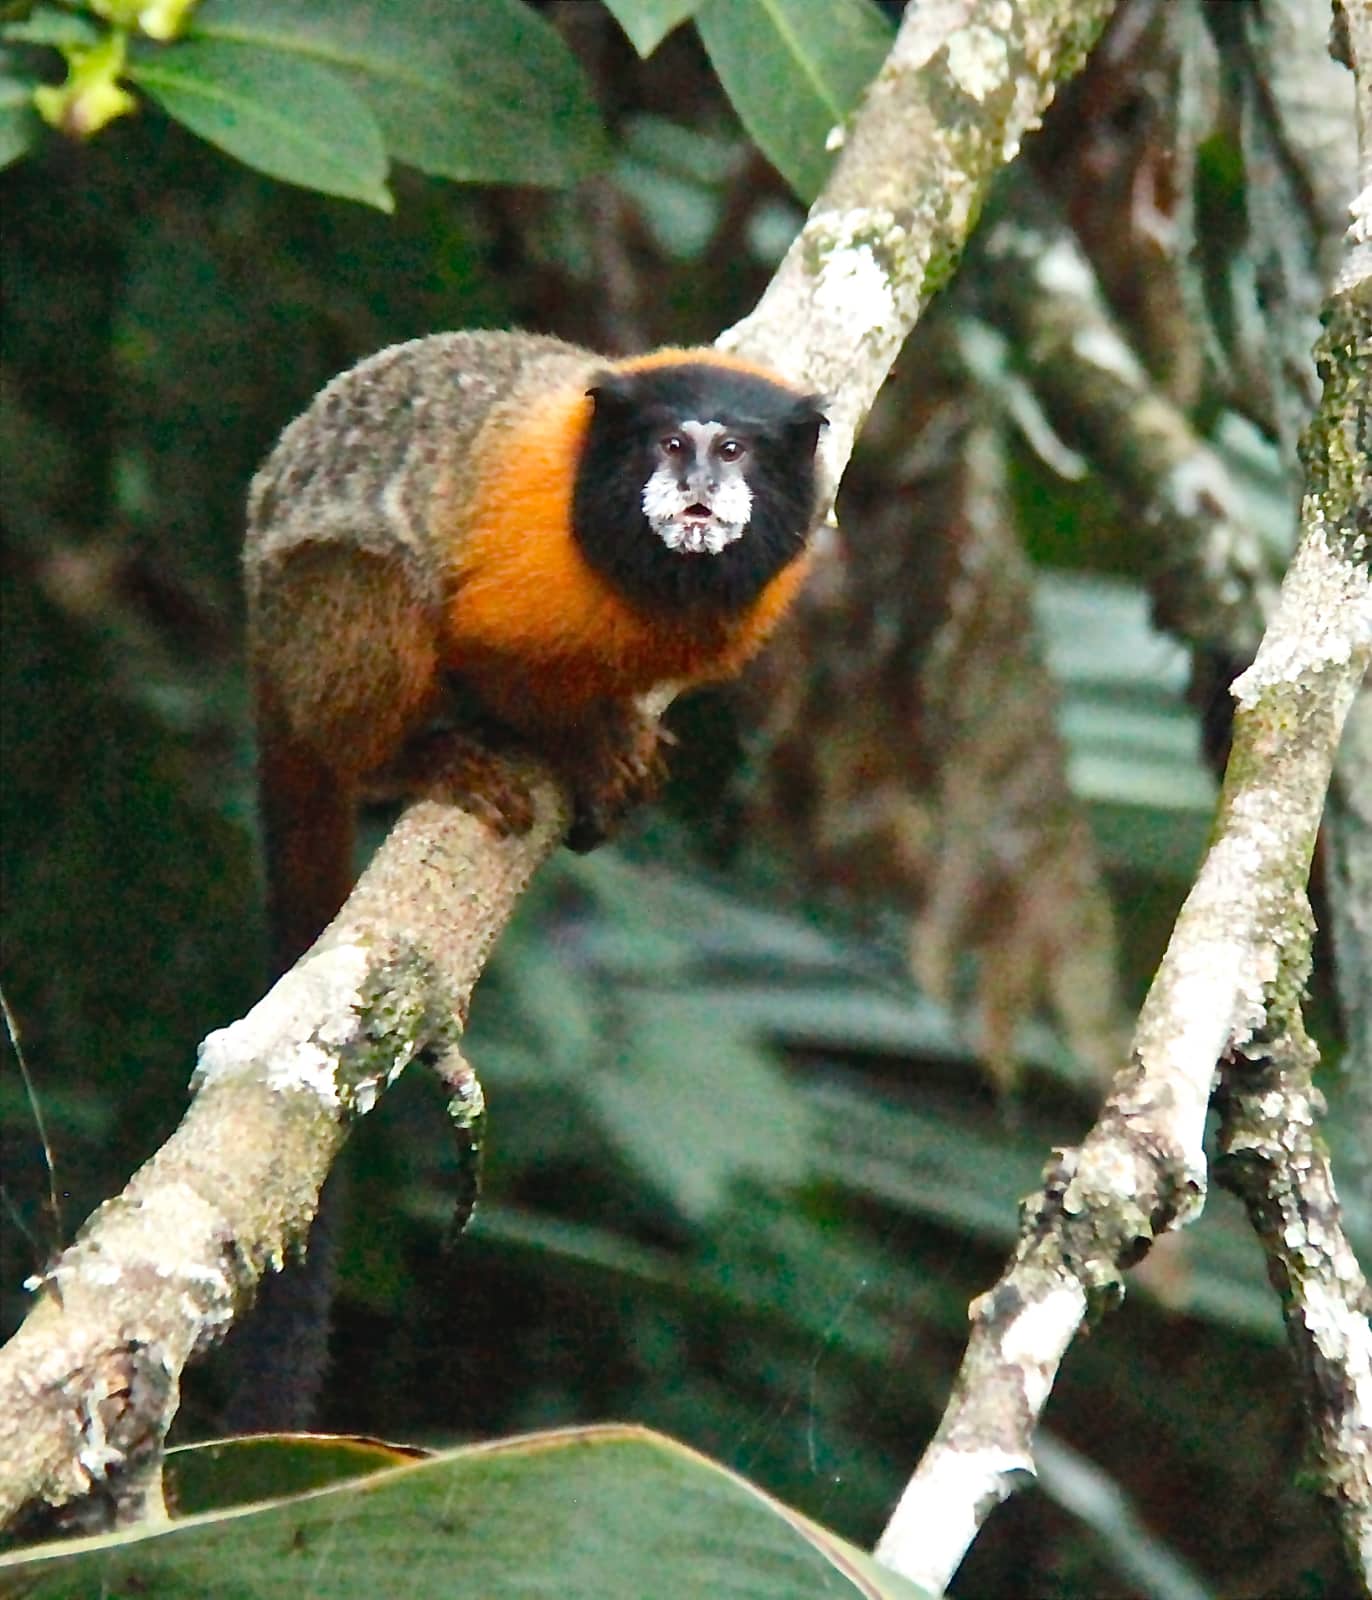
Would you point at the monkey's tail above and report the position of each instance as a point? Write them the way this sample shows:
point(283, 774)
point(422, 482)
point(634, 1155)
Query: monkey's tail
point(278, 1356)
point(278, 1359)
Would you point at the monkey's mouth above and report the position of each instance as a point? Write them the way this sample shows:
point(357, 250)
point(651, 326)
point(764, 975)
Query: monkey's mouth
point(698, 531)
point(692, 524)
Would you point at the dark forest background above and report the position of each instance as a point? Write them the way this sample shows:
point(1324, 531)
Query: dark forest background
point(768, 1077)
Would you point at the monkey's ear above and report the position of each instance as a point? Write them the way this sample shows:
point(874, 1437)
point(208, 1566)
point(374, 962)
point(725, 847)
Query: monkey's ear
point(614, 393)
point(807, 418)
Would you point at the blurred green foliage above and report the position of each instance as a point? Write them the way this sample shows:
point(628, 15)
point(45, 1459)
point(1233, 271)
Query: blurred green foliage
point(326, 93)
point(742, 1179)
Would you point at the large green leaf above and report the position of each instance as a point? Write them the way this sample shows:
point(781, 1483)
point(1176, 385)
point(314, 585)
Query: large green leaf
point(648, 22)
point(612, 1513)
point(677, 177)
point(794, 71)
point(284, 115)
point(478, 91)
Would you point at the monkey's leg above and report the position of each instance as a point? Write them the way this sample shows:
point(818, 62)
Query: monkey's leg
point(345, 666)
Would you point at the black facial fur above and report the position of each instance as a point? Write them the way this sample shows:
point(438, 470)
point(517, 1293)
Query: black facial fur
point(633, 410)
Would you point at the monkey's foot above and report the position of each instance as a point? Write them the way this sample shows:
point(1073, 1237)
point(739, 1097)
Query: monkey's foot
point(453, 765)
point(625, 769)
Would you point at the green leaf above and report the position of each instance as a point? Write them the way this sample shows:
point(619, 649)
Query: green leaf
point(675, 920)
point(648, 22)
point(232, 1472)
point(48, 25)
point(610, 1513)
point(477, 91)
point(587, 1248)
point(290, 118)
point(794, 71)
point(19, 124)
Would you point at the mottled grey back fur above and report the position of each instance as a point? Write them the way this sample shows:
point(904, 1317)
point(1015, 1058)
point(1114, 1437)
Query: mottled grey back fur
point(365, 458)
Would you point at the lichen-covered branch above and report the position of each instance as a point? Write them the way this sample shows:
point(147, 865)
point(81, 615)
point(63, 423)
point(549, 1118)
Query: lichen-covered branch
point(1349, 835)
point(964, 82)
point(158, 1273)
point(1232, 972)
point(1208, 571)
point(90, 1383)
point(1273, 1159)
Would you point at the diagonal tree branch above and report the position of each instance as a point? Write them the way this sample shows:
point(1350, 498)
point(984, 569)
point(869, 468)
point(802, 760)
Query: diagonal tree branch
point(1228, 983)
point(89, 1385)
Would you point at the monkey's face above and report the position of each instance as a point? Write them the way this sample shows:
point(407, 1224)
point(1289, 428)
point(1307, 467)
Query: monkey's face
point(698, 500)
point(696, 483)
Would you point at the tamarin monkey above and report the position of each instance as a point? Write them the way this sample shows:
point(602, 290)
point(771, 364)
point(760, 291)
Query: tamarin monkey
point(479, 535)
point(505, 526)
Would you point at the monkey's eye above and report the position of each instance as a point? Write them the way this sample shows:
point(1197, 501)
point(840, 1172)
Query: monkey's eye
point(673, 445)
point(732, 449)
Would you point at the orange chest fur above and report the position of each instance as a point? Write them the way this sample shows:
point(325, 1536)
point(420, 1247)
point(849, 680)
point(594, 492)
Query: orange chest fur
point(521, 595)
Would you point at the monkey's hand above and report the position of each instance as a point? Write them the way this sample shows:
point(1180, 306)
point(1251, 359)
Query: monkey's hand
point(457, 765)
point(609, 758)
point(616, 765)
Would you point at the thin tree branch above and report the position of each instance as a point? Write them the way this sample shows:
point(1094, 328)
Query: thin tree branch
point(1348, 833)
point(964, 82)
point(156, 1275)
point(1230, 977)
point(1272, 1157)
